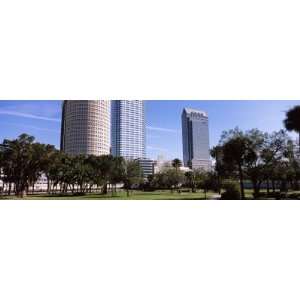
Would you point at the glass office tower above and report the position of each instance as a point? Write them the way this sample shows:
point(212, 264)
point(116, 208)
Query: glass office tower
point(128, 129)
point(195, 139)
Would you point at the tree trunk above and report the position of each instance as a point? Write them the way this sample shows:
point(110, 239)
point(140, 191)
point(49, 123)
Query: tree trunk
point(256, 188)
point(22, 190)
point(283, 186)
point(48, 186)
point(9, 189)
point(273, 186)
point(241, 175)
point(114, 189)
point(268, 187)
point(104, 192)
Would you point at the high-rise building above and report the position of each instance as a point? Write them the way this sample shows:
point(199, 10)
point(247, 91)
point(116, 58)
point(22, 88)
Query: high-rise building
point(128, 129)
point(85, 127)
point(195, 139)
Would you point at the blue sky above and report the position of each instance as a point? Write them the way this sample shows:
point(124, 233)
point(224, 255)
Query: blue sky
point(42, 120)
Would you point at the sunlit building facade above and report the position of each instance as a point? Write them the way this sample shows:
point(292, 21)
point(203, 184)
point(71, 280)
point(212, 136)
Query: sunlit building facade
point(85, 127)
point(128, 129)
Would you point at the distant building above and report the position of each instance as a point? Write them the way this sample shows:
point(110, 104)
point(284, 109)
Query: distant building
point(1, 181)
point(195, 139)
point(40, 185)
point(147, 166)
point(128, 132)
point(297, 149)
point(161, 165)
point(85, 127)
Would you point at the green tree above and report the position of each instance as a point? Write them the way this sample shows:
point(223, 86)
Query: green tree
point(176, 163)
point(21, 162)
point(132, 175)
point(242, 151)
point(222, 169)
point(173, 179)
point(160, 180)
point(292, 120)
point(273, 152)
point(48, 156)
point(55, 171)
point(253, 162)
point(235, 152)
point(105, 165)
point(190, 180)
point(206, 180)
point(117, 171)
point(81, 171)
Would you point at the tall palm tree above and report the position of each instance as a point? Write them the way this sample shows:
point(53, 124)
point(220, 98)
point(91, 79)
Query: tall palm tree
point(176, 163)
point(292, 121)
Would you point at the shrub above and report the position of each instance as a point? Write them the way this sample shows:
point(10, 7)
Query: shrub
point(79, 194)
point(294, 196)
point(281, 196)
point(232, 191)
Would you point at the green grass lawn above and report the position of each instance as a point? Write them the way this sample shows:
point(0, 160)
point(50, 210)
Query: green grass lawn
point(135, 195)
point(249, 193)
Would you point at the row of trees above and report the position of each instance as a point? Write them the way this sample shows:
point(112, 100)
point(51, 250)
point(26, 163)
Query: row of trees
point(173, 178)
point(245, 157)
point(240, 156)
point(252, 155)
point(23, 161)
point(258, 157)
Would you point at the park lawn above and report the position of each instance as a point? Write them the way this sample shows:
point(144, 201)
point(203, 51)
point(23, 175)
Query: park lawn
point(134, 195)
point(249, 194)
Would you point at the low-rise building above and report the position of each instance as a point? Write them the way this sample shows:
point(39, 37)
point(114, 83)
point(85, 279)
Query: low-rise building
point(147, 166)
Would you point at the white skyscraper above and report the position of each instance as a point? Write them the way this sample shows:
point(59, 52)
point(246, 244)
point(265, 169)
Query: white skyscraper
point(195, 139)
point(85, 127)
point(128, 128)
